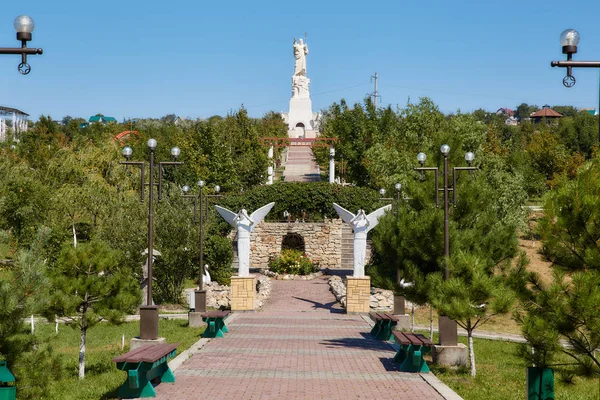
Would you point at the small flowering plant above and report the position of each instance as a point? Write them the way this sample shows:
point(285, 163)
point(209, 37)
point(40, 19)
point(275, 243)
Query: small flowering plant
point(293, 262)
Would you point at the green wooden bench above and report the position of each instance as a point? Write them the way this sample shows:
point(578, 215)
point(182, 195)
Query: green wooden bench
point(413, 346)
point(384, 324)
point(143, 365)
point(215, 323)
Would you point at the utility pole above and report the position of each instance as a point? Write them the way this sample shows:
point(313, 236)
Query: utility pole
point(375, 94)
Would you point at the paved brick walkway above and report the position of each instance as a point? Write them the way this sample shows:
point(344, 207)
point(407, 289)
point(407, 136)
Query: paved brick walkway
point(302, 346)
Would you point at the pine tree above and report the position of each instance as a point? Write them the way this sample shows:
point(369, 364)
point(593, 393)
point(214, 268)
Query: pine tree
point(89, 286)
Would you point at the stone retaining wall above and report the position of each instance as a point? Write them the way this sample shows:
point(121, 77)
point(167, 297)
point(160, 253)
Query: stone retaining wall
point(322, 241)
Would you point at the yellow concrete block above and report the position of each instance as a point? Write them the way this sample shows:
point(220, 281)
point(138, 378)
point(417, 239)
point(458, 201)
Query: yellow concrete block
point(358, 294)
point(242, 293)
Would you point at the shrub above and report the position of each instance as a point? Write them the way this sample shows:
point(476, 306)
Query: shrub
point(218, 254)
point(294, 262)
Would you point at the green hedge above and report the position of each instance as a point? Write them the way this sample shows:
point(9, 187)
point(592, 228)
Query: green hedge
point(314, 198)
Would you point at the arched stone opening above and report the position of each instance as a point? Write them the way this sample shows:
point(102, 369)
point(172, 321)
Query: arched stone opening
point(293, 241)
point(300, 130)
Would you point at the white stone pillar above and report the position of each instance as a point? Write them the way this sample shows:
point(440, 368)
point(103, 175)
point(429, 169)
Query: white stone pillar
point(331, 165)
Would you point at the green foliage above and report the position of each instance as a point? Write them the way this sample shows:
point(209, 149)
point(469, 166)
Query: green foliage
point(293, 262)
point(471, 296)
point(570, 227)
point(218, 254)
point(483, 224)
point(567, 307)
point(90, 286)
point(177, 241)
point(22, 292)
point(315, 199)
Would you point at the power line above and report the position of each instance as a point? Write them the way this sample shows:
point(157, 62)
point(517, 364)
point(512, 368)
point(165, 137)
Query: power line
point(479, 95)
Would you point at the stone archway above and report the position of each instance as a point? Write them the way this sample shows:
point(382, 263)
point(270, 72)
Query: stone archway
point(293, 241)
point(300, 130)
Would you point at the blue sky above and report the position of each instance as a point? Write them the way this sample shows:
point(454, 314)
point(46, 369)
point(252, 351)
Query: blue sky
point(133, 58)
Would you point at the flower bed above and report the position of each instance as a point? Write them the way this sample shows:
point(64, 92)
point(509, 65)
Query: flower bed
point(292, 262)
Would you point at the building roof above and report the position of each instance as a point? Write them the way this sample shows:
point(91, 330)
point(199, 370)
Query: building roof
point(9, 110)
point(505, 111)
point(546, 112)
point(103, 119)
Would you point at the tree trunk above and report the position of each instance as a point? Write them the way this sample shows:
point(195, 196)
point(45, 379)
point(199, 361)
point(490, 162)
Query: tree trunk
point(471, 354)
point(412, 322)
point(430, 322)
point(74, 234)
point(83, 332)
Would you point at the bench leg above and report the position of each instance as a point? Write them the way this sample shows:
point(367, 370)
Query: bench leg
point(137, 384)
point(215, 328)
point(414, 361)
point(385, 331)
point(165, 373)
point(375, 328)
point(400, 355)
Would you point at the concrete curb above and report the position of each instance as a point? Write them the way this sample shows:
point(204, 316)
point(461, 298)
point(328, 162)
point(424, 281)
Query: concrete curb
point(440, 387)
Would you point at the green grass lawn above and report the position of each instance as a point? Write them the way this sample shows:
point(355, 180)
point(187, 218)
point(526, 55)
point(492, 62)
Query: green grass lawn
point(501, 376)
point(103, 343)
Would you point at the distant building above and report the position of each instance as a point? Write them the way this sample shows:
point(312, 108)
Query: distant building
point(505, 111)
point(591, 111)
point(18, 122)
point(511, 121)
point(101, 119)
point(545, 114)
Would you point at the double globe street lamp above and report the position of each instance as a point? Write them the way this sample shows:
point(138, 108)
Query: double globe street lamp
point(447, 327)
point(149, 312)
point(24, 26)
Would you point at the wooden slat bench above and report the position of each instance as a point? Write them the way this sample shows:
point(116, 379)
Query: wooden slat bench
point(143, 365)
point(412, 348)
point(215, 323)
point(384, 324)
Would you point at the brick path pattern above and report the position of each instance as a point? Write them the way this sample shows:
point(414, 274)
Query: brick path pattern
point(302, 346)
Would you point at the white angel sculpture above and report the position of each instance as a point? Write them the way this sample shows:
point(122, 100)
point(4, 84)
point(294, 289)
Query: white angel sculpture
point(361, 224)
point(244, 224)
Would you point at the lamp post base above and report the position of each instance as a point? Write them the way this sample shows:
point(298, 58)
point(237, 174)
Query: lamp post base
point(137, 342)
point(450, 355)
point(200, 301)
point(149, 322)
point(448, 331)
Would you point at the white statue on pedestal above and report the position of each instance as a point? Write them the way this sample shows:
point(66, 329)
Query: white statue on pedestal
point(361, 224)
point(244, 224)
point(300, 52)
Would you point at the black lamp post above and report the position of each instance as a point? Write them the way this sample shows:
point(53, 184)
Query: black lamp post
point(24, 27)
point(200, 294)
point(447, 327)
point(149, 312)
point(569, 39)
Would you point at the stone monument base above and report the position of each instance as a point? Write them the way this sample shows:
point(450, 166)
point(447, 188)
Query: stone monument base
point(450, 355)
point(137, 342)
point(195, 319)
point(243, 291)
point(358, 295)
